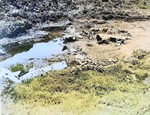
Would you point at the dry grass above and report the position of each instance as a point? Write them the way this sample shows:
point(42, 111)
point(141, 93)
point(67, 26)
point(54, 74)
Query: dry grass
point(119, 90)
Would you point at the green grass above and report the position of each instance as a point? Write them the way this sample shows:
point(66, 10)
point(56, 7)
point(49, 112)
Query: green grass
point(20, 67)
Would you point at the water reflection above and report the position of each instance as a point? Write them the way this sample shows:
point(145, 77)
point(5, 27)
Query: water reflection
point(39, 50)
point(19, 49)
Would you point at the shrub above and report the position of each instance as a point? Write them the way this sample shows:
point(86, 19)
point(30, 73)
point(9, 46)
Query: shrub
point(141, 74)
point(139, 54)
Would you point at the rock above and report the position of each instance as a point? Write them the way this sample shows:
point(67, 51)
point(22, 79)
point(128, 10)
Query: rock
point(87, 67)
point(84, 33)
point(107, 17)
point(104, 0)
point(104, 30)
point(99, 69)
point(121, 41)
point(113, 60)
point(89, 45)
point(118, 43)
point(90, 67)
point(79, 49)
point(53, 28)
point(84, 68)
point(128, 38)
point(78, 62)
point(98, 38)
point(95, 30)
point(70, 30)
point(104, 42)
point(81, 57)
point(124, 33)
point(69, 39)
point(83, 53)
point(64, 48)
point(113, 39)
point(99, 22)
point(125, 42)
point(2, 15)
point(2, 53)
point(14, 28)
point(89, 61)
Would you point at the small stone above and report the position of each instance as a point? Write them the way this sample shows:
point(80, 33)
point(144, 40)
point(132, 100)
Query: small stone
point(113, 39)
point(98, 38)
point(128, 38)
point(89, 45)
point(64, 48)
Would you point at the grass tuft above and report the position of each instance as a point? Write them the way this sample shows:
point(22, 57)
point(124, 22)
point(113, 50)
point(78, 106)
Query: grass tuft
point(20, 67)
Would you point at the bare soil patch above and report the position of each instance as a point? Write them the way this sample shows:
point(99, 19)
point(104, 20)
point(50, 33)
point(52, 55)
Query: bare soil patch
point(139, 31)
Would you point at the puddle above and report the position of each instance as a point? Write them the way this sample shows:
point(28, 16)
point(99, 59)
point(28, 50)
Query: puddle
point(38, 51)
point(34, 53)
point(23, 51)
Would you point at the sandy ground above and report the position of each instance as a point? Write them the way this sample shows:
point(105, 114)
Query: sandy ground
point(139, 31)
point(140, 34)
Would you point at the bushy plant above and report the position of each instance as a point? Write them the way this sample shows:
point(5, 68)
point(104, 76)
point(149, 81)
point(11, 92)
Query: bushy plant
point(139, 54)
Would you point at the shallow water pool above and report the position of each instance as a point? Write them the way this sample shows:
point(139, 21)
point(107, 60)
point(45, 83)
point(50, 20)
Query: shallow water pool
point(38, 51)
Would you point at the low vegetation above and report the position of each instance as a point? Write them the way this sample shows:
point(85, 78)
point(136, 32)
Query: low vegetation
point(143, 4)
point(51, 36)
point(21, 67)
point(120, 87)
